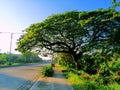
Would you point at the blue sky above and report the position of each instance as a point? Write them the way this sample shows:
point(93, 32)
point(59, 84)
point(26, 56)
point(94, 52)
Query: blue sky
point(16, 15)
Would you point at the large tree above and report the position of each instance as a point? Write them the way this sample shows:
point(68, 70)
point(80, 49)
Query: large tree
point(115, 4)
point(73, 32)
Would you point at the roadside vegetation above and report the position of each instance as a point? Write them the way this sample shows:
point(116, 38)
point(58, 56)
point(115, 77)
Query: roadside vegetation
point(96, 72)
point(17, 59)
point(87, 44)
point(47, 71)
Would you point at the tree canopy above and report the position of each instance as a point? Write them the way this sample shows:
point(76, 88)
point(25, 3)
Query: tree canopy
point(73, 32)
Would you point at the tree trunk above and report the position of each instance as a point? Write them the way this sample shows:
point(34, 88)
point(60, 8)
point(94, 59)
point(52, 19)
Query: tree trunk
point(75, 58)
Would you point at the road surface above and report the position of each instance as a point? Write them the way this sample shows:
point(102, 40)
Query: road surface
point(17, 78)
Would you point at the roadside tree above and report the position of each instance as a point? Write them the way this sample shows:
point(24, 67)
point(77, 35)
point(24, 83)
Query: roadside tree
point(74, 33)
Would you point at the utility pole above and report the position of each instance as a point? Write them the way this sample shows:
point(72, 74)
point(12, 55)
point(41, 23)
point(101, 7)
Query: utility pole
point(11, 38)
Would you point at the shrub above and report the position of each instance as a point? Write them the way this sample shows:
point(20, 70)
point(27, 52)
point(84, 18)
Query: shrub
point(85, 86)
point(104, 80)
point(52, 64)
point(65, 60)
point(47, 71)
point(117, 79)
point(75, 80)
point(118, 72)
point(106, 70)
point(116, 65)
point(7, 63)
point(85, 76)
point(90, 63)
point(114, 86)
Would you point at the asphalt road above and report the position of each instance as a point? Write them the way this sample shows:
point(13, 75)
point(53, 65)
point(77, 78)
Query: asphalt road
point(13, 78)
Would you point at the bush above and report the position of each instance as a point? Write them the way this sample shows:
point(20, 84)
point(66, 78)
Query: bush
point(117, 79)
point(79, 83)
point(65, 60)
point(90, 63)
point(47, 71)
point(106, 69)
point(114, 86)
point(7, 63)
point(116, 65)
point(87, 85)
point(74, 79)
point(86, 76)
point(85, 81)
point(105, 80)
point(52, 64)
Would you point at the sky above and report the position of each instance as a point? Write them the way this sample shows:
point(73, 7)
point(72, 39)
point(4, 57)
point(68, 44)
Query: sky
point(17, 15)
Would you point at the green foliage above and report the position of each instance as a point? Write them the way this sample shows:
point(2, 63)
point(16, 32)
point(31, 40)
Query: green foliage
point(86, 81)
point(12, 59)
point(65, 60)
point(105, 70)
point(30, 58)
point(117, 79)
point(74, 78)
point(79, 82)
point(114, 86)
point(86, 41)
point(8, 63)
point(91, 63)
point(104, 80)
point(85, 86)
point(116, 65)
point(47, 71)
point(3, 57)
point(115, 35)
point(74, 33)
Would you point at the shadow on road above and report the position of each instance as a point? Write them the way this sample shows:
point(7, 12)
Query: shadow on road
point(52, 83)
point(13, 83)
point(10, 82)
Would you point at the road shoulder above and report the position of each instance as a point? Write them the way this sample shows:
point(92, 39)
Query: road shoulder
point(57, 82)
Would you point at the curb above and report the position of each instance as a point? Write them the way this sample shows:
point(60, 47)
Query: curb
point(35, 84)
